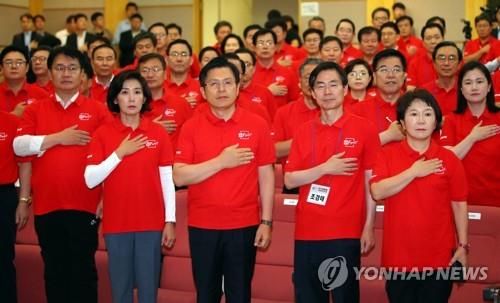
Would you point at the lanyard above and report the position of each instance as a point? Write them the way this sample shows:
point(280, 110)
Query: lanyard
point(313, 137)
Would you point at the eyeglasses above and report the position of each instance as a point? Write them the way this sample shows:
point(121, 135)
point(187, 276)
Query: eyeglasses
point(386, 70)
point(360, 74)
point(38, 59)
point(179, 54)
point(442, 58)
point(12, 63)
point(261, 43)
point(217, 85)
point(70, 68)
point(248, 63)
point(154, 69)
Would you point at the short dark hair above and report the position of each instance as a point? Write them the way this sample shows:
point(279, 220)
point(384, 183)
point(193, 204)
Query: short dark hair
point(315, 18)
point(180, 41)
point(398, 5)
point(250, 28)
point(207, 49)
point(248, 52)
point(96, 38)
point(131, 4)
point(438, 19)
point(273, 14)
point(219, 62)
point(444, 44)
point(348, 21)
point(406, 100)
point(387, 53)
point(87, 67)
point(233, 56)
point(262, 32)
point(311, 31)
point(38, 17)
point(329, 39)
point(81, 15)
point(280, 22)
point(173, 25)
point(157, 24)
point(403, 18)
point(482, 17)
point(96, 15)
point(431, 25)
point(65, 51)
point(136, 16)
point(309, 61)
point(117, 84)
point(26, 15)
point(367, 30)
point(152, 56)
point(70, 18)
point(106, 45)
point(351, 64)
point(224, 42)
point(144, 36)
point(327, 66)
point(490, 97)
point(14, 49)
point(220, 24)
point(381, 9)
point(390, 24)
point(40, 48)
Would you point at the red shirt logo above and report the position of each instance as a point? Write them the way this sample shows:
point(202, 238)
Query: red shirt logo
point(170, 112)
point(84, 116)
point(151, 144)
point(257, 99)
point(29, 101)
point(244, 135)
point(350, 142)
point(280, 79)
point(3, 136)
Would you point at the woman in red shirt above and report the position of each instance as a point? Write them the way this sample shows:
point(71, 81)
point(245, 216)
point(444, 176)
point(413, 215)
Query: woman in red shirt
point(424, 190)
point(473, 133)
point(132, 156)
point(360, 79)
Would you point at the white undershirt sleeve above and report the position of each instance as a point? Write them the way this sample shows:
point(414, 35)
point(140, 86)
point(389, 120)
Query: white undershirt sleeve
point(168, 189)
point(95, 174)
point(28, 145)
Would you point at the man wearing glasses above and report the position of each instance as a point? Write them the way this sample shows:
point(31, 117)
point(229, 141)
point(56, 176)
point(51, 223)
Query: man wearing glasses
point(390, 73)
point(179, 81)
point(55, 132)
point(15, 93)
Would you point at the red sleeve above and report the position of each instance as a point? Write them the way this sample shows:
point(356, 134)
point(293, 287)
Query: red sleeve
point(293, 87)
point(27, 126)
point(468, 49)
point(271, 103)
point(380, 169)
point(279, 125)
point(372, 146)
point(411, 77)
point(166, 151)
point(266, 153)
point(457, 180)
point(296, 160)
point(448, 136)
point(185, 147)
point(95, 154)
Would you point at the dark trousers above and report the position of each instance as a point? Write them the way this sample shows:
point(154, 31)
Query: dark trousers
point(68, 240)
point(429, 290)
point(8, 205)
point(326, 267)
point(218, 253)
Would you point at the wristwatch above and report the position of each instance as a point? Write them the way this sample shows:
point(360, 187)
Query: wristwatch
point(267, 222)
point(26, 200)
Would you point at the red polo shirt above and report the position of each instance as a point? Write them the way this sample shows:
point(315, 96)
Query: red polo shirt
point(170, 107)
point(350, 101)
point(350, 53)
point(376, 110)
point(57, 175)
point(288, 52)
point(8, 162)
point(282, 75)
point(496, 85)
point(229, 198)
point(481, 163)
point(419, 227)
point(314, 143)
point(421, 71)
point(132, 194)
point(475, 45)
point(260, 94)
point(49, 87)
point(410, 41)
point(447, 100)
point(28, 94)
point(189, 88)
point(98, 91)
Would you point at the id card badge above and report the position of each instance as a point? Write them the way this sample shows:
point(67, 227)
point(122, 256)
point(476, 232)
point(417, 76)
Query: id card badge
point(318, 194)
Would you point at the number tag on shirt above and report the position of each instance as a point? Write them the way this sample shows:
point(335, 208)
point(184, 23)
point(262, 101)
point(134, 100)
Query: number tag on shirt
point(318, 194)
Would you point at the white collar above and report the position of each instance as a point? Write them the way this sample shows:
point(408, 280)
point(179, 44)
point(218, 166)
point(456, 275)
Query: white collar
point(71, 100)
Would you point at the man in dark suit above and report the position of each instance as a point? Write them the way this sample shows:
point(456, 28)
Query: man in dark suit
point(47, 39)
point(127, 40)
point(79, 39)
point(27, 39)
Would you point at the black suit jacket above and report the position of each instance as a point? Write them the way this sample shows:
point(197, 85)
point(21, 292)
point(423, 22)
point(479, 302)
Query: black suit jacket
point(126, 48)
point(18, 40)
point(72, 40)
point(49, 40)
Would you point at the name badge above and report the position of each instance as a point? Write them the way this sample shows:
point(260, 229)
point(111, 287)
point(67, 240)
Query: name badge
point(318, 194)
